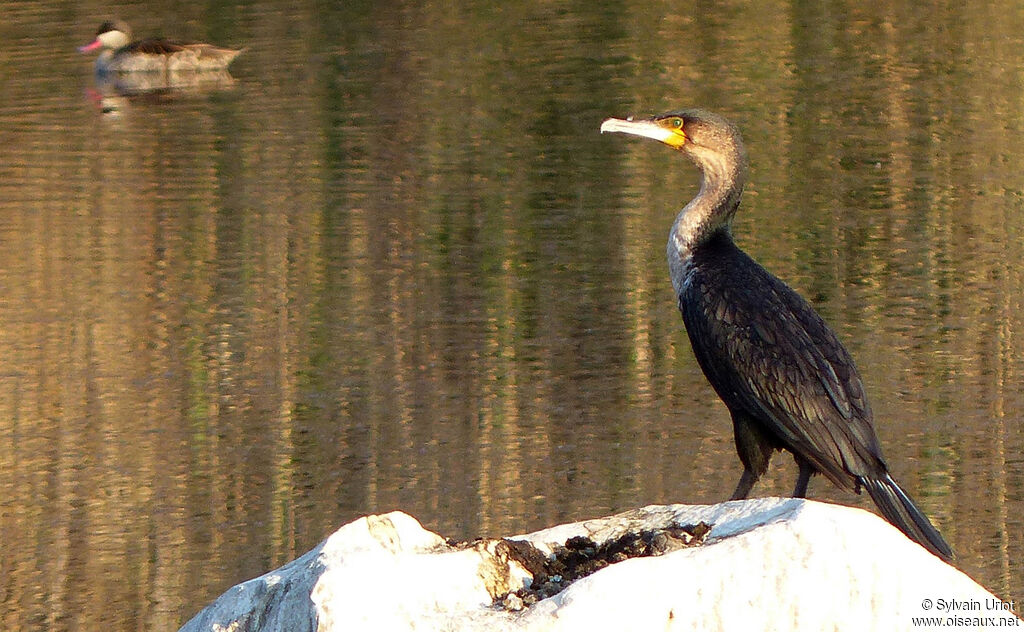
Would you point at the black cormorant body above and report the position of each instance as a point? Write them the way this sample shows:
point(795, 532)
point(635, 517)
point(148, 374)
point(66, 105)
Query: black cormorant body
point(785, 377)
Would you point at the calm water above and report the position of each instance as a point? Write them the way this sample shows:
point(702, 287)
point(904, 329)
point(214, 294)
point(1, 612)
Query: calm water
point(395, 266)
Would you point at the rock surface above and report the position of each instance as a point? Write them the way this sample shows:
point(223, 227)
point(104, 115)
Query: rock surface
point(767, 564)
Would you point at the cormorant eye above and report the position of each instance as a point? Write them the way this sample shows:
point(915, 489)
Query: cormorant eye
point(677, 123)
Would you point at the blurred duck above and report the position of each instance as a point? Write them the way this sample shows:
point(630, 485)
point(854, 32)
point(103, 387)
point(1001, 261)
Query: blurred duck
point(121, 54)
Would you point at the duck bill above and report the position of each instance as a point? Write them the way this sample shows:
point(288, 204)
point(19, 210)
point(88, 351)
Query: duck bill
point(646, 128)
point(88, 48)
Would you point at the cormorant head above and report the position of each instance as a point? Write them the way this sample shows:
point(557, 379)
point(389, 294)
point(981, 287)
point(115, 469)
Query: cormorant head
point(709, 140)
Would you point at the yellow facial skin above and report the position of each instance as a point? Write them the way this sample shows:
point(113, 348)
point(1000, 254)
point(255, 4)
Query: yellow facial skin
point(668, 130)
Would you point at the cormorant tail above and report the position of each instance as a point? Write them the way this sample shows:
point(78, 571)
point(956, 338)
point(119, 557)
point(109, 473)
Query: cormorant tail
point(897, 507)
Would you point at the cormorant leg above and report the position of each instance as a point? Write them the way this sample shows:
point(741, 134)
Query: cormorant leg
point(755, 450)
point(804, 477)
point(746, 484)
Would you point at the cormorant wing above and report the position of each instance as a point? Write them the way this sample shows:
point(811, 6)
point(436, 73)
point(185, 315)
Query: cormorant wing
point(768, 353)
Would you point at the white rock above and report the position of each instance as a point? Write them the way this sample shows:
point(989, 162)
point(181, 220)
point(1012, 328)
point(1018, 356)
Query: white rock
point(768, 564)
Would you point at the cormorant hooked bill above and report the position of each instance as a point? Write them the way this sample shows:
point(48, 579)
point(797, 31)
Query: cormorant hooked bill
point(781, 371)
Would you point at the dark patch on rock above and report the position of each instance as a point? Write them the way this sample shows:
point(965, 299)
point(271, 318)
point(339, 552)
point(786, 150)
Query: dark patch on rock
point(581, 556)
point(528, 556)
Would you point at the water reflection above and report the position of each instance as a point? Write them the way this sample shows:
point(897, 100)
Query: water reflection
point(395, 266)
point(142, 83)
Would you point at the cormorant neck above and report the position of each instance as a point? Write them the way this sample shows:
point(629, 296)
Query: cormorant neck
point(709, 213)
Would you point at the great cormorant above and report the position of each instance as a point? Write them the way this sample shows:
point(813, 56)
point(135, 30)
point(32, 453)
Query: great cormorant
point(781, 371)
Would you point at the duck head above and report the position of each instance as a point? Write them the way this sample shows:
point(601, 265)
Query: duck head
point(111, 35)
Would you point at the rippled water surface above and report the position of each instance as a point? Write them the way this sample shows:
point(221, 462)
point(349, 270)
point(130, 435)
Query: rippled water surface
point(391, 264)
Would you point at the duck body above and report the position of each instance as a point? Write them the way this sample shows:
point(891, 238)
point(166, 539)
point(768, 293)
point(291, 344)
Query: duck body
point(119, 54)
